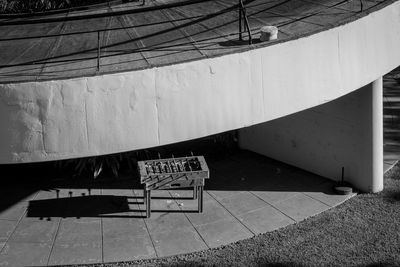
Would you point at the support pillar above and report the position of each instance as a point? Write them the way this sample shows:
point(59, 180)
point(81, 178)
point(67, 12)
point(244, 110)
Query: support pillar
point(377, 135)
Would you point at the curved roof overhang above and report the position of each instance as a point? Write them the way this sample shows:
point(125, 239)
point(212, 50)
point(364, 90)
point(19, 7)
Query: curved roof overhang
point(120, 110)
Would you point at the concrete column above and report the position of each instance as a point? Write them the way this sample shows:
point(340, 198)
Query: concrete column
point(346, 132)
point(377, 136)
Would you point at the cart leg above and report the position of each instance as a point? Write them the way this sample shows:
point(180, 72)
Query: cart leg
point(147, 197)
point(200, 198)
point(195, 191)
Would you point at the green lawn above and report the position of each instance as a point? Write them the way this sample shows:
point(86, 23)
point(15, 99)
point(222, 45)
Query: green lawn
point(363, 231)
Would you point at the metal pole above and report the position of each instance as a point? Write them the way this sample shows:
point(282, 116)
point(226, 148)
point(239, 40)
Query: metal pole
point(200, 198)
point(240, 21)
point(195, 191)
point(98, 50)
point(342, 175)
point(246, 21)
point(147, 198)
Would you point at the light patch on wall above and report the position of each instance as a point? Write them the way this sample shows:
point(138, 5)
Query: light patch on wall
point(133, 100)
point(212, 71)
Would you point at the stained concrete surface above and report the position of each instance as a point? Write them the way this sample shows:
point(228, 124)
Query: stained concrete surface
point(63, 47)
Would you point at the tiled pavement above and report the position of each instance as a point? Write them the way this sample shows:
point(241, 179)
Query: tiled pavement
point(77, 224)
point(70, 225)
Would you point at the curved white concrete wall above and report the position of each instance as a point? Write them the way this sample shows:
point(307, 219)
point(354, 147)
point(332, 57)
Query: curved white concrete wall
point(113, 113)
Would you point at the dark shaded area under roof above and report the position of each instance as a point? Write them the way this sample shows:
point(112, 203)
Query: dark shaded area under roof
point(130, 36)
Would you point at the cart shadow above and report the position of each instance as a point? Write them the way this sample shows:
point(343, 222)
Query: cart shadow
point(103, 206)
point(80, 206)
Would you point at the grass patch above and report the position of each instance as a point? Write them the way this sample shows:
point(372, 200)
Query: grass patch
point(363, 231)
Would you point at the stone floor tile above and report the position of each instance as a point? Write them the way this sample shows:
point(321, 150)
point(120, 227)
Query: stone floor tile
point(14, 212)
point(16, 193)
point(35, 231)
point(6, 228)
point(161, 201)
point(222, 194)
point(126, 239)
point(241, 179)
point(185, 194)
point(178, 240)
point(118, 192)
point(165, 213)
point(74, 230)
point(300, 207)
point(326, 194)
point(128, 210)
point(256, 179)
point(47, 194)
point(307, 179)
point(78, 192)
point(273, 197)
point(185, 200)
point(292, 182)
point(80, 252)
point(31, 196)
point(115, 227)
point(78, 206)
point(264, 220)
point(242, 202)
point(167, 221)
point(223, 232)
point(128, 248)
point(157, 194)
point(120, 203)
point(25, 254)
point(54, 193)
point(212, 212)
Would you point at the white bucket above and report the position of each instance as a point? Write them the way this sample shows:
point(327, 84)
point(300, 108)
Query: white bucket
point(268, 33)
